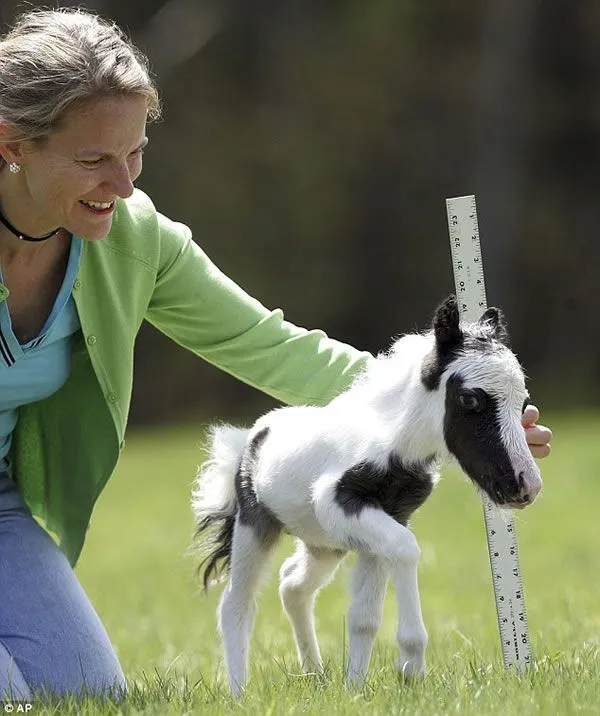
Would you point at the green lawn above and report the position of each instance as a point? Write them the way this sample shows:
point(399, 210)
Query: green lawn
point(138, 574)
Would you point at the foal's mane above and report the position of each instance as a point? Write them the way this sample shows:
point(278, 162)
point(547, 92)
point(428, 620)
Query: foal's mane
point(418, 352)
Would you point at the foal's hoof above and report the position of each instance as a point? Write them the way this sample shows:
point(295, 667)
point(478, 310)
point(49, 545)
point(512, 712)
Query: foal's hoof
point(411, 670)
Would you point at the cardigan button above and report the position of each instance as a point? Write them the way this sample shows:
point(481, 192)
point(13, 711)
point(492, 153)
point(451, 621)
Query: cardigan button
point(111, 397)
point(77, 284)
point(91, 340)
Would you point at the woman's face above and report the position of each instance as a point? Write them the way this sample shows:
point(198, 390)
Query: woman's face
point(74, 176)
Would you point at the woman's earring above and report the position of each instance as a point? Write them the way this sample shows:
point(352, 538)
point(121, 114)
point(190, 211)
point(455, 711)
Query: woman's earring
point(14, 167)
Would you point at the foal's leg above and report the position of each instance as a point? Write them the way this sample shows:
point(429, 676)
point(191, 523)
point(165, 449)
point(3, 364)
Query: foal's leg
point(373, 531)
point(302, 575)
point(369, 582)
point(249, 555)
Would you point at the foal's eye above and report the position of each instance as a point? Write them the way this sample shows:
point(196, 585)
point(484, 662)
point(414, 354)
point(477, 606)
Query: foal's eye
point(472, 401)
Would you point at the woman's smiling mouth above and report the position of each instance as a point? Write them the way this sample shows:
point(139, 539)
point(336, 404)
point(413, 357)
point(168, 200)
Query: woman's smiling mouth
point(98, 207)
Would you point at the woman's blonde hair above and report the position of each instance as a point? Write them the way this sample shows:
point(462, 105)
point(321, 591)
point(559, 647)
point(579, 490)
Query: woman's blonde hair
point(52, 59)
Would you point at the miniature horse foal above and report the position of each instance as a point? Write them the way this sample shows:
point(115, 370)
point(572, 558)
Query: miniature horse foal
point(348, 476)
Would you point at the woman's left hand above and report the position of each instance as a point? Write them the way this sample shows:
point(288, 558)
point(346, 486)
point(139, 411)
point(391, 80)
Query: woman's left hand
point(538, 437)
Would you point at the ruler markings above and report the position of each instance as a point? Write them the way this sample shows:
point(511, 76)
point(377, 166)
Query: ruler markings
point(501, 534)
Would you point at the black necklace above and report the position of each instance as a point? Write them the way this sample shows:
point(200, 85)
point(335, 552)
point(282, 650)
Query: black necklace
point(21, 235)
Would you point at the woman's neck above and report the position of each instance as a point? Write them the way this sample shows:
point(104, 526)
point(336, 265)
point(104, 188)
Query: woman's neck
point(11, 246)
point(13, 249)
point(20, 224)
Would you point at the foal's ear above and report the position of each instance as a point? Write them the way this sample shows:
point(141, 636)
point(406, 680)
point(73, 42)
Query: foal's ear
point(446, 325)
point(495, 319)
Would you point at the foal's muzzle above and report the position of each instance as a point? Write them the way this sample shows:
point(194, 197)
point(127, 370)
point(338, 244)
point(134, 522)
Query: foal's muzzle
point(516, 492)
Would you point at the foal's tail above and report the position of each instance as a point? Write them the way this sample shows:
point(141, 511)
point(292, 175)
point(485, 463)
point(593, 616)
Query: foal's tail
point(214, 500)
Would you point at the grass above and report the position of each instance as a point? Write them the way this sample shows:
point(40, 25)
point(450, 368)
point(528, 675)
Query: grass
point(136, 570)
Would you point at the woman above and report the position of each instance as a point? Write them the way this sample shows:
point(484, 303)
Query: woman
point(84, 260)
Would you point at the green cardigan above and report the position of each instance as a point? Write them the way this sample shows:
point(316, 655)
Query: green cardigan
point(148, 267)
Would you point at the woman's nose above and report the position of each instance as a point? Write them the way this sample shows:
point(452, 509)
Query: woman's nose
point(122, 182)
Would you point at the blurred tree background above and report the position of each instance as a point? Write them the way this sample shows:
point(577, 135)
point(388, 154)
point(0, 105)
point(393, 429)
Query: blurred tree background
point(311, 145)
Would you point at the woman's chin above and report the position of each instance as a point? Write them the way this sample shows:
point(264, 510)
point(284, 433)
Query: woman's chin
point(90, 231)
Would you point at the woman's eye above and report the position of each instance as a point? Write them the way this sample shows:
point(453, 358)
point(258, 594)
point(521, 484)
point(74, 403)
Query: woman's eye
point(90, 162)
point(471, 401)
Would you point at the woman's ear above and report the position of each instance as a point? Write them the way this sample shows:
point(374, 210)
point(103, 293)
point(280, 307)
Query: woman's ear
point(11, 150)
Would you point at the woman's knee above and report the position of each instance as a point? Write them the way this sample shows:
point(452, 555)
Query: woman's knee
point(47, 623)
point(13, 686)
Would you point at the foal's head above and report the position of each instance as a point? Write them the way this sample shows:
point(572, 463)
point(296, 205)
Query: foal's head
point(484, 398)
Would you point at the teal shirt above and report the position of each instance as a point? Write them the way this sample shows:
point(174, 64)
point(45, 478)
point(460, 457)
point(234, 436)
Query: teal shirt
point(34, 370)
point(66, 446)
